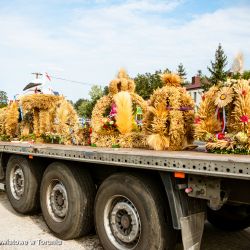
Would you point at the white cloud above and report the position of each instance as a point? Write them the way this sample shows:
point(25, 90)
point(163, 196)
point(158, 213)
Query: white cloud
point(150, 5)
point(98, 41)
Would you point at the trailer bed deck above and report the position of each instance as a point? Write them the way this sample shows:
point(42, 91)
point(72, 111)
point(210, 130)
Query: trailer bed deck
point(192, 162)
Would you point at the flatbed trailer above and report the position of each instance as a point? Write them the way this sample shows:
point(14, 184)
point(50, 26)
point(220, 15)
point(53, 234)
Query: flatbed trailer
point(135, 198)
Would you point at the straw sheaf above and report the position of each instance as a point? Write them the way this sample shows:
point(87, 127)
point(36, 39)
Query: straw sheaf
point(133, 140)
point(124, 116)
point(170, 79)
point(36, 122)
point(105, 102)
point(121, 83)
point(221, 144)
point(187, 101)
point(45, 121)
point(39, 101)
point(2, 120)
point(11, 122)
point(241, 106)
point(98, 111)
point(167, 127)
point(208, 122)
point(67, 122)
point(129, 140)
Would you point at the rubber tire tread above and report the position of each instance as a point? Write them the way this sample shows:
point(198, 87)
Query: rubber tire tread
point(80, 220)
point(153, 201)
point(29, 203)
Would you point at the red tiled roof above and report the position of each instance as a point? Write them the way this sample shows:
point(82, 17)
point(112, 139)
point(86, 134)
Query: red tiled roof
point(196, 83)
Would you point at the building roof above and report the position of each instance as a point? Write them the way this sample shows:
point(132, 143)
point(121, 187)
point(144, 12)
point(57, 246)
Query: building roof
point(196, 83)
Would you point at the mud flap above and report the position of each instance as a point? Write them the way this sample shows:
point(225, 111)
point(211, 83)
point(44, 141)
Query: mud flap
point(191, 230)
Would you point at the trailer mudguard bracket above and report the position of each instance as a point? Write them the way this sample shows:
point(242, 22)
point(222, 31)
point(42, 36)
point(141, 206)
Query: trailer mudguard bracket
point(1, 167)
point(188, 213)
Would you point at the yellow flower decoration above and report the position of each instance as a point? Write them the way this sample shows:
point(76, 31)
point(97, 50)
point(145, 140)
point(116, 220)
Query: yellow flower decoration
point(224, 97)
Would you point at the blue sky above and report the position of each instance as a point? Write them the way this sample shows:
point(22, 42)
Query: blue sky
point(89, 41)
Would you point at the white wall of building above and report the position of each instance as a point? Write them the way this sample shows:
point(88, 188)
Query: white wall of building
point(196, 94)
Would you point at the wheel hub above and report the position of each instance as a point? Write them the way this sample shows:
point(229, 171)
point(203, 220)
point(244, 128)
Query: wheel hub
point(57, 201)
point(124, 223)
point(17, 182)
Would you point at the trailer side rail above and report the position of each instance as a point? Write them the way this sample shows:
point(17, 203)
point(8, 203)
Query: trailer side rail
point(190, 162)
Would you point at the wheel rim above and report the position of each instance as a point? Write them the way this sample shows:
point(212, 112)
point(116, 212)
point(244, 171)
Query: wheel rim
point(57, 200)
point(17, 182)
point(122, 223)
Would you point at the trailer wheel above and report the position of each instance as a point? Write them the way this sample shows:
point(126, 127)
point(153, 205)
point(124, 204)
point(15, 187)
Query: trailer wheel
point(230, 217)
point(129, 214)
point(23, 178)
point(67, 200)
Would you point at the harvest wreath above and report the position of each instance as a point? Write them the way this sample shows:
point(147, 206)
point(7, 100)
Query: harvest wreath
point(223, 117)
point(113, 118)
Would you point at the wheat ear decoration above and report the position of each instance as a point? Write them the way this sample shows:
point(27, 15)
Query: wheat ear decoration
point(124, 116)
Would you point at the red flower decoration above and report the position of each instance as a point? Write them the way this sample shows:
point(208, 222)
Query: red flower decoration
point(220, 136)
point(197, 120)
point(203, 97)
point(244, 92)
point(244, 118)
point(90, 130)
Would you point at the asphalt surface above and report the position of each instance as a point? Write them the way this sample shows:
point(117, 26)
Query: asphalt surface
point(30, 232)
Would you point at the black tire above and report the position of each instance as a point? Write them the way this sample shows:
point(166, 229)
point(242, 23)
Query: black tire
point(141, 197)
point(70, 214)
point(230, 217)
point(23, 178)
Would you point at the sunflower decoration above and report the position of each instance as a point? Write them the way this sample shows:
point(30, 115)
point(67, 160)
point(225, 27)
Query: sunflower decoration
point(224, 97)
point(223, 119)
point(168, 122)
point(114, 117)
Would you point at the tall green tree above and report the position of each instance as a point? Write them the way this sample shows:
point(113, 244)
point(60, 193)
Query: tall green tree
point(95, 93)
point(84, 107)
point(78, 103)
point(3, 99)
point(147, 83)
point(182, 73)
point(217, 69)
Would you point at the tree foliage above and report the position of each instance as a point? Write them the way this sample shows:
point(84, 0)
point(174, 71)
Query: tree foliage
point(3, 99)
point(199, 73)
point(84, 107)
point(78, 103)
point(147, 83)
point(245, 75)
point(182, 73)
point(217, 69)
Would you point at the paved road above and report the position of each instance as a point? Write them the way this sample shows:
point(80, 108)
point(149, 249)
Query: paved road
point(32, 232)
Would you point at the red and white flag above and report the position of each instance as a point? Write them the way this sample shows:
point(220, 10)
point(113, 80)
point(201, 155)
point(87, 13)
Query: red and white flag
point(46, 74)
